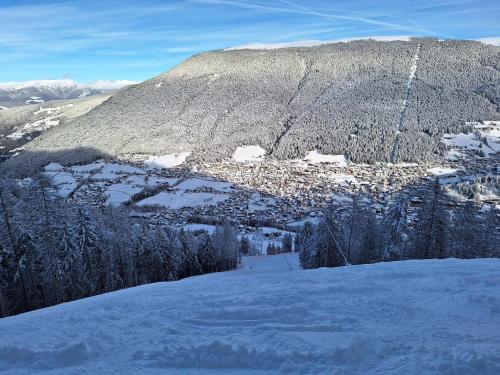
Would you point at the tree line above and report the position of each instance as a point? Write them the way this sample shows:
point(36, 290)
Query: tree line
point(53, 250)
point(438, 228)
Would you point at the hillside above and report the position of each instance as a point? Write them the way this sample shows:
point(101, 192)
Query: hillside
point(13, 94)
point(412, 317)
point(20, 125)
point(370, 100)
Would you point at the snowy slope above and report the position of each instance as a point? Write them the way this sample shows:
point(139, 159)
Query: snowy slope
point(414, 317)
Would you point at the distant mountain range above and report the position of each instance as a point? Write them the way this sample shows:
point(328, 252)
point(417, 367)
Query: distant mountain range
point(387, 101)
point(14, 94)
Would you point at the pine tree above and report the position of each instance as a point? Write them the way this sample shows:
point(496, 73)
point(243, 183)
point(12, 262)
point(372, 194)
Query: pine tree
point(396, 230)
point(307, 242)
point(329, 252)
point(287, 243)
point(206, 255)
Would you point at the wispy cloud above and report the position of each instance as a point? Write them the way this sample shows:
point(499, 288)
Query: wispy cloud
point(114, 39)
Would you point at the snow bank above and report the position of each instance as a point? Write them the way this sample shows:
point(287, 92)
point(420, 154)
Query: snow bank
point(245, 154)
point(412, 317)
point(315, 157)
point(166, 161)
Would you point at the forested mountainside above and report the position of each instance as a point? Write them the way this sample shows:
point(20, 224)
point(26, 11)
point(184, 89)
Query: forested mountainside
point(373, 101)
point(20, 125)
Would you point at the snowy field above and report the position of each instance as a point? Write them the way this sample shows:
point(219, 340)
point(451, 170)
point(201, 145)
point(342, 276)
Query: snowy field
point(414, 317)
point(485, 137)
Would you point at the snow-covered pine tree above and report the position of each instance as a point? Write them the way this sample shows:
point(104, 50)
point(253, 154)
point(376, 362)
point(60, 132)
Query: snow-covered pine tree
point(396, 231)
point(206, 254)
point(307, 243)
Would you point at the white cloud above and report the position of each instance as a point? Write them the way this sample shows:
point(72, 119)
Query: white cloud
point(66, 83)
point(494, 40)
point(313, 43)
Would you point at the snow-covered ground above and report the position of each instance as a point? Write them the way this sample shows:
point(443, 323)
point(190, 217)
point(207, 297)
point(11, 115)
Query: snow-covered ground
point(181, 199)
point(244, 154)
point(166, 161)
point(485, 137)
point(315, 157)
point(413, 317)
point(442, 171)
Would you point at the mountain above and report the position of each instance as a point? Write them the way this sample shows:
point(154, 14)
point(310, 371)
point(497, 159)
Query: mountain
point(388, 101)
point(35, 92)
point(20, 125)
point(411, 317)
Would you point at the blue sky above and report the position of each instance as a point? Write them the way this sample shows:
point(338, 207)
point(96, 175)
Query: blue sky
point(90, 40)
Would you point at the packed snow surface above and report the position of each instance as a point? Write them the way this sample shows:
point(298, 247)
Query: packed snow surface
point(245, 154)
point(413, 317)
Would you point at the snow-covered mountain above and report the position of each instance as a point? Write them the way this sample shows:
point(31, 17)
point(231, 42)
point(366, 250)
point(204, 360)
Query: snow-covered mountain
point(372, 101)
point(411, 317)
point(34, 92)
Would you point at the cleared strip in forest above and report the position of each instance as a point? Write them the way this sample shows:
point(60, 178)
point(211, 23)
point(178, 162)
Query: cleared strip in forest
point(402, 115)
point(288, 122)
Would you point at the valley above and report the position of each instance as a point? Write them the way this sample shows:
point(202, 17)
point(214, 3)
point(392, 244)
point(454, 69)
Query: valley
point(253, 191)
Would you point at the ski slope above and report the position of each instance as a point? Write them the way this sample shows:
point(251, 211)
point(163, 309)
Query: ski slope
point(413, 317)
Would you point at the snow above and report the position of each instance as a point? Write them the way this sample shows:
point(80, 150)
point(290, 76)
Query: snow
point(197, 183)
point(300, 223)
point(343, 179)
point(315, 157)
point(244, 154)
point(48, 110)
point(88, 168)
point(486, 137)
point(15, 135)
point(259, 203)
point(197, 227)
point(442, 171)
point(494, 41)
point(180, 199)
point(454, 155)
point(462, 140)
point(341, 198)
point(64, 182)
point(110, 171)
point(117, 194)
point(108, 84)
point(66, 83)
point(271, 263)
point(53, 167)
point(314, 43)
point(166, 161)
point(412, 317)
